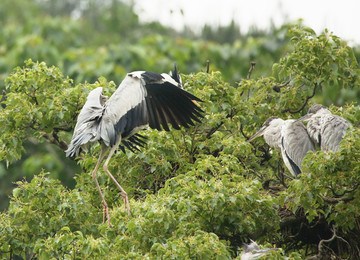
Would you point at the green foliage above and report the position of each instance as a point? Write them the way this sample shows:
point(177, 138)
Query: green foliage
point(39, 210)
point(323, 61)
point(329, 184)
point(105, 40)
point(194, 193)
point(39, 103)
point(187, 214)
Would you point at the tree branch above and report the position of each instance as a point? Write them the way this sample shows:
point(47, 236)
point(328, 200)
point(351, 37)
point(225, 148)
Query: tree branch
point(253, 63)
point(54, 139)
point(214, 129)
point(277, 88)
point(336, 200)
point(242, 132)
point(305, 103)
point(344, 192)
point(321, 253)
point(207, 66)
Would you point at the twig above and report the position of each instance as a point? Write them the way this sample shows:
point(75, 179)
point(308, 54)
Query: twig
point(242, 132)
point(207, 66)
point(253, 63)
point(248, 77)
point(321, 245)
point(214, 129)
point(66, 129)
point(336, 200)
point(277, 88)
point(54, 139)
point(305, 103)
point(281, 175)
point(63, 146)
point(344, 192)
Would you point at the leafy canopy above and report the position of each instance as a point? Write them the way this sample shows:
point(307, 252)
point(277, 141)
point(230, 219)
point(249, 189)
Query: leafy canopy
point(198, 192)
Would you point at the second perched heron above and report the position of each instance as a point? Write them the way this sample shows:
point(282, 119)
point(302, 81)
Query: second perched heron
point(291, 139)
point(326, 129)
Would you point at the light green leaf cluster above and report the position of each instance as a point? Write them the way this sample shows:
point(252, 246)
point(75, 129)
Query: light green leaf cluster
point(329, 185)
point(188, 217)
point(39, 102)
point(317, 63)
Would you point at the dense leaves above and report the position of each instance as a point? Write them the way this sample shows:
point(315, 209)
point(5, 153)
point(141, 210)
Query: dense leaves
point(194, 193)
point(90, 39)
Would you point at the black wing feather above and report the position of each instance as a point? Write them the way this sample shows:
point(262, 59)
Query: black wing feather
point(295, 168)
point(133, 142)
point(293, 165)
point(135, 117)
point(180, 109)
point(150, 77)
point(159, 107)
point(163, 103)
point(176, 110)
point(171, 117)
point(153, 119)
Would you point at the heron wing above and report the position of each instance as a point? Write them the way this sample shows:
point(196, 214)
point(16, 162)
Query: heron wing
point(314, 128)
point(332, 132)
point(86, 129)
point(176, 76)
point(133, 142)
point(296, 143)
point(147, 98)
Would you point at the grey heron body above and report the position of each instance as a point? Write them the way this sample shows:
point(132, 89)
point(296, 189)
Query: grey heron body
point(291, 139)
point(325, 129)
point(142, 99)
point(253, 251)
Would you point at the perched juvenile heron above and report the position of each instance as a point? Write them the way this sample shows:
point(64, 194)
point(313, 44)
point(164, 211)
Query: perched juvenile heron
point(253, 251)
point(142, 99)
point(327, 130)
point(291, 139)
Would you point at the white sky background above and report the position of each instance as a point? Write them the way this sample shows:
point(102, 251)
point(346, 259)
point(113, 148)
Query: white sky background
point(342, 17)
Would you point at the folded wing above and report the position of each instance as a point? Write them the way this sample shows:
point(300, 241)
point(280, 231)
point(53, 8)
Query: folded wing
point(296, 143)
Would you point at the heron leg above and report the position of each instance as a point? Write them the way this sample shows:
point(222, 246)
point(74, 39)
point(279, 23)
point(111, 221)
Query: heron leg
point(123, 192)
point(106, 210)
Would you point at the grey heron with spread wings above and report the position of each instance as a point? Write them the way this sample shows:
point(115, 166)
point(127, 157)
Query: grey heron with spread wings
point(291, 139)
point(325, 129)
point(142, 99)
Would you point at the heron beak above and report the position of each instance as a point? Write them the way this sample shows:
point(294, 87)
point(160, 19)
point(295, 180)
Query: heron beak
point(258, 133)
point(306, 117)
point(264, 251)
point(196, 103)
point(267, 250)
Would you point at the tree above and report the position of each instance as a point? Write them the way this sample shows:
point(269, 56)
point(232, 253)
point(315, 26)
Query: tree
point(84, 53)
point(200, 192)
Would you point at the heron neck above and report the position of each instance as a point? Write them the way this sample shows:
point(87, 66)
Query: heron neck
point(272, 134)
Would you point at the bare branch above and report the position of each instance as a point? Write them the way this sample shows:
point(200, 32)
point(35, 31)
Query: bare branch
point(242, 132)
point(213, 130)
point(305, 103)
point(344, 192)
point(251, 69)
point(321, 246)
point(54, 139)
point(336, 200)
point(207, 66)
point(277, 88)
